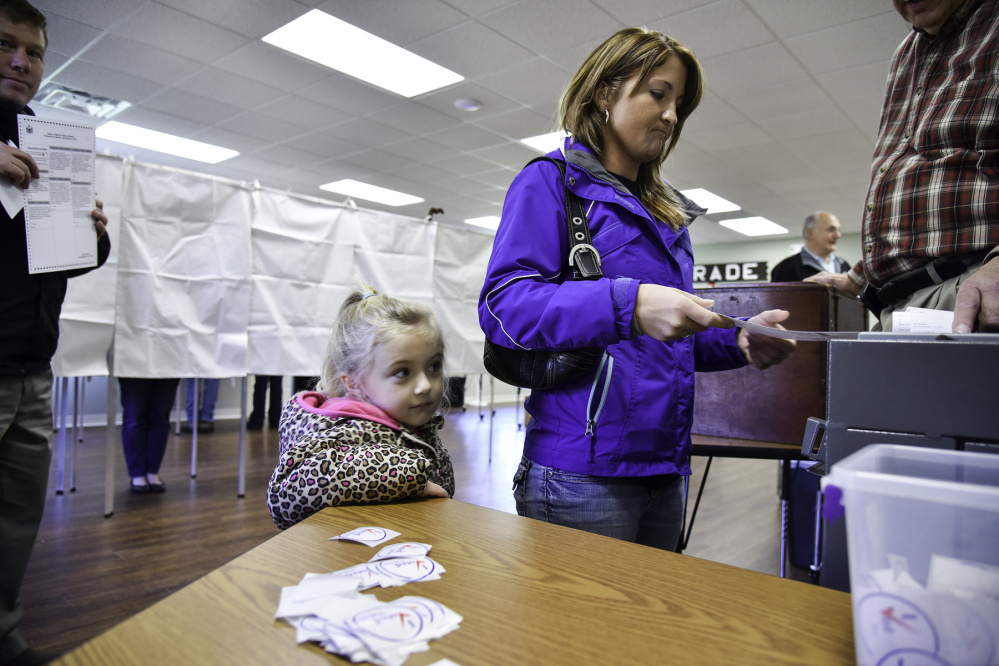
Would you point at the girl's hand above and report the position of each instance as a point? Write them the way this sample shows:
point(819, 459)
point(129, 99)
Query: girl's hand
point(762, 351)
point(671, 314)
point(433, 490)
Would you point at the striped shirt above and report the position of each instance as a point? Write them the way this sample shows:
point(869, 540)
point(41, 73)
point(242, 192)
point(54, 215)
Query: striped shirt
point(935, 177)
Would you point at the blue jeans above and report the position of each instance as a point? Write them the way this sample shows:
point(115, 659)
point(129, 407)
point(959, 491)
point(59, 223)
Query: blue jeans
point(209, 396)
point(646, 510)
point(145, 422)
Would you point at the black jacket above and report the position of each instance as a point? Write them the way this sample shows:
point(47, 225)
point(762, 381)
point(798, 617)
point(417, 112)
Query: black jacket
point(794, 269)
point(29, 304)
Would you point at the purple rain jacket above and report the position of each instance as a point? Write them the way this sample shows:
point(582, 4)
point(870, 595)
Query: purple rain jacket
point(633, 417)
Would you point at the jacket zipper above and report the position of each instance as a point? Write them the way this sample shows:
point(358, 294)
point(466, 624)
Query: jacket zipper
point(591, 416)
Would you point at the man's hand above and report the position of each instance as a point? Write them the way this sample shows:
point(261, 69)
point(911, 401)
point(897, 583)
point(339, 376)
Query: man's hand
point(671, 314)
point(838, 280)
point(978, 301)
point(763, 351)
point(17, 166)
point(100, 219)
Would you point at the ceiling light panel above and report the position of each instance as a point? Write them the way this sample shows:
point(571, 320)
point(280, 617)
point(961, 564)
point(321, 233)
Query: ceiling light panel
point(163, 143)
point(488, 222)
point(711, 201)
point(337, 44)
point(545, 143)
point(754, 226)
point(353, 188)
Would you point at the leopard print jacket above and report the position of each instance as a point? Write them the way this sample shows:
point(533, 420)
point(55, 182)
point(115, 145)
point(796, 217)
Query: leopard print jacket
point(331, 460)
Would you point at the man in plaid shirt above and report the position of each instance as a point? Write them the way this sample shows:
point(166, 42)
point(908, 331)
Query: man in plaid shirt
point(931, 217)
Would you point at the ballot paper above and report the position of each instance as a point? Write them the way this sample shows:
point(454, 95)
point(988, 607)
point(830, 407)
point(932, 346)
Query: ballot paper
point(393, 572)
point(922, 320)
point(57, 205)
point(369, 536)
point(820, 336)
point(954, 619)
point(328, 609)
point(407, 549)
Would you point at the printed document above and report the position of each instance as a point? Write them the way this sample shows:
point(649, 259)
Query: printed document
point(57, 205)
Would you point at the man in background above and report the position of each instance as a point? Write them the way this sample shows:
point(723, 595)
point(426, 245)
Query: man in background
point(29, 330)
point(931, 217)
point(821, 232)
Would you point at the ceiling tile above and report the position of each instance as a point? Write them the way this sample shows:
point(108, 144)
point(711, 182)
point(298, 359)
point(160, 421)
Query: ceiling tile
point(512, 156)
point(286, 155)
point(302, 112)
point(273, 67)
point(859, 43)
point(105, 82)
point(325, 144)
point(67, 36)
point(415, 117)
point(727, 137)
point(401, 23)
point(758, 67)
point(252, 18)
point(194, 107)
point(178, 33)
point(160, 122)
point(805, 123)
point(228, 88)
point(546, 26)
point(220, 137)
point(514, 124)
point(256, 125)
point(377, 160)
point(790, 97)
point(367, 133)
point(532, 82)
point(788, 19)
point(97, 14)
point(450, 49)
point(117, 53)
point(712, 112)
point(420, 150)
point(856, 83)
point(643, 12)
point(443, 100)
point(465, 165)
point(465, 138)
point(716, 29)
point(349, 95)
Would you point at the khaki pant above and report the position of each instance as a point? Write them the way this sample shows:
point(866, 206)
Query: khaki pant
point(941, 296)
point(25, 454)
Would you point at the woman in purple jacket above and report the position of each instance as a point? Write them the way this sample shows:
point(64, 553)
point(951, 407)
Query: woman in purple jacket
point(609, 454)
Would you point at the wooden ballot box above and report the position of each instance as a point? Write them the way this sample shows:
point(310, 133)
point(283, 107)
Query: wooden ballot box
point(773, 405)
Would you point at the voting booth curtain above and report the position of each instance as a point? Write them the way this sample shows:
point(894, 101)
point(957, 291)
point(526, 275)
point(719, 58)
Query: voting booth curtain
point(215, 278)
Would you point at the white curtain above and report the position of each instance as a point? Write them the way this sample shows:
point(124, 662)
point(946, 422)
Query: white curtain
point(215, 278)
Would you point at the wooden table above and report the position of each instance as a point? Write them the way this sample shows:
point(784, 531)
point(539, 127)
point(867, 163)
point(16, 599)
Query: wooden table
point(530, 593)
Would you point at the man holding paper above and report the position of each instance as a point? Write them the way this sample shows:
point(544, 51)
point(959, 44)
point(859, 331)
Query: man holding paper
point(931, 217)
point(29, 327)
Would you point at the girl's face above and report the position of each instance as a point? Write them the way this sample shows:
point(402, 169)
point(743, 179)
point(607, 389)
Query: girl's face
point(406, 377)
point(642, 117)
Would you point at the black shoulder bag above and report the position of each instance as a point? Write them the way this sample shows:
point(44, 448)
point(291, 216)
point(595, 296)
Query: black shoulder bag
point(553, 369)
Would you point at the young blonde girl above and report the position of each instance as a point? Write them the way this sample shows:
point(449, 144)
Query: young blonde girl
point(368, 434)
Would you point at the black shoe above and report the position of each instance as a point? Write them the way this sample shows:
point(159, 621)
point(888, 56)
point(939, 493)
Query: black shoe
point(254, 425)
point(186, 427)
point(205, 427)
point(32, 658)
point(139, 489)
point(157, 487)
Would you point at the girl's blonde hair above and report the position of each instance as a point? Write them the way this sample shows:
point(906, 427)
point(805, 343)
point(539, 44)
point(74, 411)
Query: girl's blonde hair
point(366, 319)
point(626, 53)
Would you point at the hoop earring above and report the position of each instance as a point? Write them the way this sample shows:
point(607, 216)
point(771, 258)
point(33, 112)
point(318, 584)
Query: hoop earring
point(606, 116)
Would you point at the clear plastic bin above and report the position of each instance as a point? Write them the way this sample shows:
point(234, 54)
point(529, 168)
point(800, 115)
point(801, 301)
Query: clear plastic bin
point(922, 530)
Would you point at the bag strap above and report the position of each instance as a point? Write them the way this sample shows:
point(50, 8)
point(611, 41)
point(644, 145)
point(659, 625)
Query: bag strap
point(584, 260)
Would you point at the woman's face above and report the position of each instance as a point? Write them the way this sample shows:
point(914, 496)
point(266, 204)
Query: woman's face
point(642, 117)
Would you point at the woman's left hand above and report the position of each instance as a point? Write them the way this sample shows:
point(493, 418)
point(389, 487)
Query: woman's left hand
point(763, 351)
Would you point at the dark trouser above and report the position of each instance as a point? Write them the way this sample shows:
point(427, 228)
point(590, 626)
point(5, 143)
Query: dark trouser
point(146, 405)
point(260, 386)
point(25, 453)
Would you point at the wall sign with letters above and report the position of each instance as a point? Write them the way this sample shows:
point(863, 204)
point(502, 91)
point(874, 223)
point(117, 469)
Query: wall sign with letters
point(745, 271)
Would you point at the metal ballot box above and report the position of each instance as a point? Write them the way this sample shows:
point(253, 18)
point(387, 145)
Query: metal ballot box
point(918, 390)
point(774, 405)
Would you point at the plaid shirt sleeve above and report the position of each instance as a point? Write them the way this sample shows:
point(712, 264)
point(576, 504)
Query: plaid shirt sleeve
point(935, 176)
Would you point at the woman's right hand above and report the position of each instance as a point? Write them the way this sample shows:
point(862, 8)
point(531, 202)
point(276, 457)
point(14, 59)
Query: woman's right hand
point(666, 313)
point(433, 490)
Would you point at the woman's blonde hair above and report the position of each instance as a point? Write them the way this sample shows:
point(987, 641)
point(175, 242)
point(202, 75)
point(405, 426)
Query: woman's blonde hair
point(366, 319)
point(624, 54)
